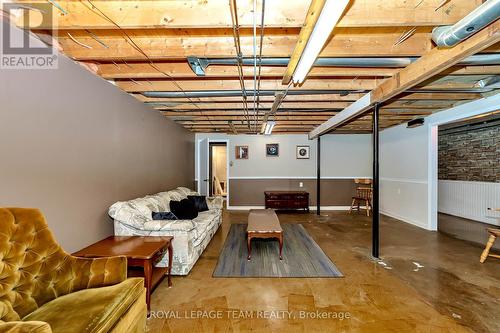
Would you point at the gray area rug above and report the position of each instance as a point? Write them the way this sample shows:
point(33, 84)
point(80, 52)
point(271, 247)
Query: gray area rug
point(302, 257)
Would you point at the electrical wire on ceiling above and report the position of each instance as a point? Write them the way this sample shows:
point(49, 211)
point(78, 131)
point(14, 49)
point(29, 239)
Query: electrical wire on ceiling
point(58, 6)
point(93, 8)
point(77, 42)
point(254, 62)
point(272, 112)
point(237, 45)
point(260, 64)
point(97, 39)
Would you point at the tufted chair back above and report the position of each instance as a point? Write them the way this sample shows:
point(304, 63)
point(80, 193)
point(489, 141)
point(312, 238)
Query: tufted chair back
point(34, 269)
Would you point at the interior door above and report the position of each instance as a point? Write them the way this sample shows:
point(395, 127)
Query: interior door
point(203, 167)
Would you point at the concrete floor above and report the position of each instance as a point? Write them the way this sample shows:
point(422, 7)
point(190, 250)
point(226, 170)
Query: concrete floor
point(452, 292)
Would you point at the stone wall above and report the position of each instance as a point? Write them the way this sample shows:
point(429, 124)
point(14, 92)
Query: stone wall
point(470, 154)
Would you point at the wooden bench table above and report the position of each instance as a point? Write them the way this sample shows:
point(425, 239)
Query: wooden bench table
point(263, 223)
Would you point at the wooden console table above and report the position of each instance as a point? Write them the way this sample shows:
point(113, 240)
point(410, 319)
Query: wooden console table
point(287, 200)
point(142, 252)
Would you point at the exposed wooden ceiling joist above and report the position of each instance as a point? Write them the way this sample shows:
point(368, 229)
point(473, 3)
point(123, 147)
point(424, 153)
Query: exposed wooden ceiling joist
point(434, 62)
point(296, 105)
point(218, 43)
point(170, 30)
point(162, 14)
point(315, 98)
point(340, 83)
point(183, 70)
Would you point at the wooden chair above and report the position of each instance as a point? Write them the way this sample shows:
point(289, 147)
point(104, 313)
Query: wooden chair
point(494, 233)
point(364, 193)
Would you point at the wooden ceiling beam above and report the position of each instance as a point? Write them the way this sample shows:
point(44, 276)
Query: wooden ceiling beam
point(241, 113)
point(340, 83)
point(143, 70)
point(170, 45)
point(235, 120)
point(266, 84)
point(316, 98)
point(434, 62)
point(299, 105)
point(163, 14)
point(183, 70)
point(289, 98)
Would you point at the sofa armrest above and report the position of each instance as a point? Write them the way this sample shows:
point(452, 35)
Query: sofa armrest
point(98, 272)
point(25, 327)
point(215, 202)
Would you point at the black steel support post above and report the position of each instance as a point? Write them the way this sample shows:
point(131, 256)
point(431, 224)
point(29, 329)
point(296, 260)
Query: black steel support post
point(318, 178)
point(375, 203)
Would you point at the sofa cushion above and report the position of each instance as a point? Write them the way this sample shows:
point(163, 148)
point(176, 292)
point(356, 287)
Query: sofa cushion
point(184, 209)
point(199, 201)
point(185, 191)
point(89, 310)
point(163, 216)
point(203, 222)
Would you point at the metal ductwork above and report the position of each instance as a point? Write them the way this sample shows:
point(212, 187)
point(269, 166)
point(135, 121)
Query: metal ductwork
point(479, 18)
point(239, 93)
point(481, 60)
point(199, 65)
point(491, 83)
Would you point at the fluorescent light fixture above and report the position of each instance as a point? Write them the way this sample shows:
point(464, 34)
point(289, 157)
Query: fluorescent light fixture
point(267, 127)
point(328, 18)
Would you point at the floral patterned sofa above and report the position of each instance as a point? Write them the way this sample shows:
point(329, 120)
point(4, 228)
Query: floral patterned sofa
point(191, 237)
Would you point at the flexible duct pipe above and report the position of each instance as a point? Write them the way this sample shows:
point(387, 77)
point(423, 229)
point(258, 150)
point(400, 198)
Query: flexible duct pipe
point(230, 93)
point(480, 17)
point(198, 65)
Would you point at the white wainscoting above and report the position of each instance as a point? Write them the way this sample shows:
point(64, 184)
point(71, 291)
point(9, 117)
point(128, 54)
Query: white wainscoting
point(470, 200)
point(405, 200)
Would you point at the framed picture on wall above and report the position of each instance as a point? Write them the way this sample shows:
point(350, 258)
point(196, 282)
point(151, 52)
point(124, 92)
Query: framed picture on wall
point(272, 149)
point(241, 152)
point(303, 152)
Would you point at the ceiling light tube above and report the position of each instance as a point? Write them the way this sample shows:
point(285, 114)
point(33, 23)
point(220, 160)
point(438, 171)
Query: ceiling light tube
point(267, 127)
point(328, 18)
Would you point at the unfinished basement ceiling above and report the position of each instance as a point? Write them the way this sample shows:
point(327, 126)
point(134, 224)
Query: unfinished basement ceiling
point(142, 46)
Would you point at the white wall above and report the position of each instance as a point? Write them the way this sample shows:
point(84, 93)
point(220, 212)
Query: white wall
point(470, 200)
point(408, 167)
point(342, 156)
point(403, 174)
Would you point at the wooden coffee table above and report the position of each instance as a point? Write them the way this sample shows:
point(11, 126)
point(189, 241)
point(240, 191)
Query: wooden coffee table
point(141, 251)
point(263, 223)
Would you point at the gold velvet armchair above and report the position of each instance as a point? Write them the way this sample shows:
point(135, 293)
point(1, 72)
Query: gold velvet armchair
point(43, 289)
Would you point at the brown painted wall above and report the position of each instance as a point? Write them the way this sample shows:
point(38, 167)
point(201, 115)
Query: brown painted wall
point(250, 192)
point(71, 144)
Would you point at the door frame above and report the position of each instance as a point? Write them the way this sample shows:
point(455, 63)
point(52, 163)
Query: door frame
point(228, 159)
point(198, 180)
point(212, 144)
point(457, 113)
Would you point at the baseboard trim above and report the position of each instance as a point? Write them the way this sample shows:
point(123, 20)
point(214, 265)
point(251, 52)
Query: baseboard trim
point(298, 177)
point(310, 207)
point(404, 219)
